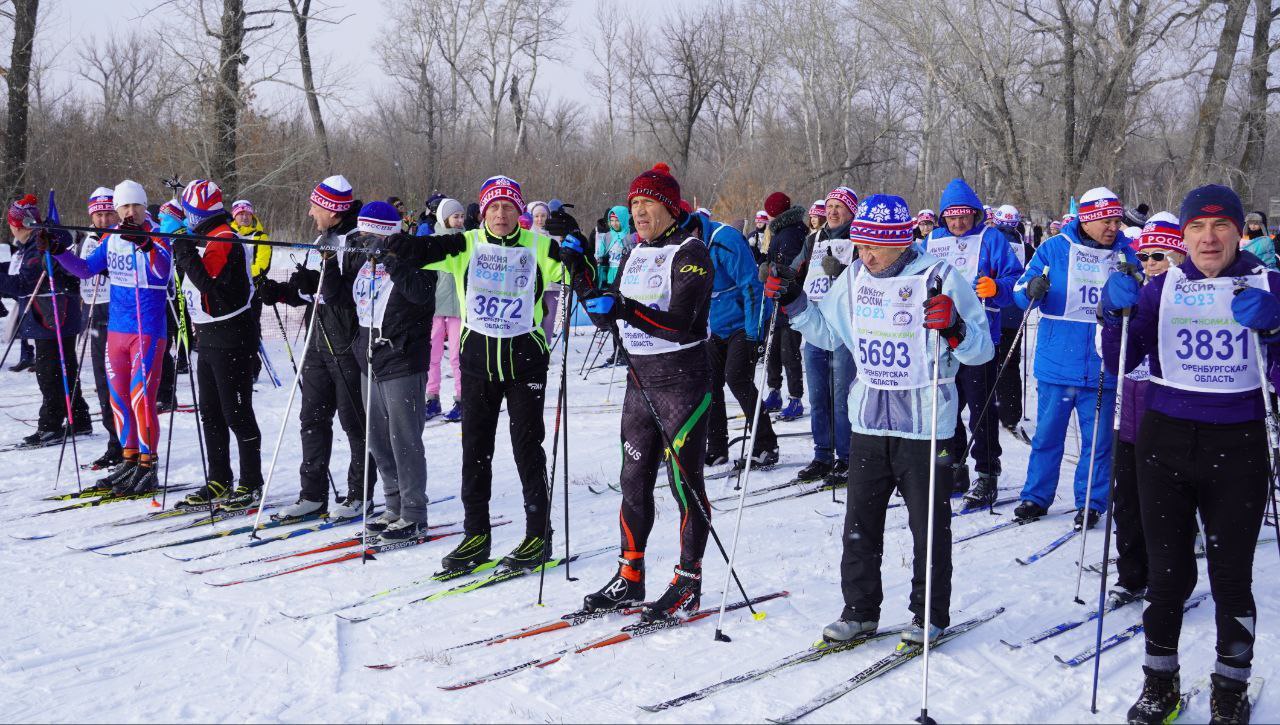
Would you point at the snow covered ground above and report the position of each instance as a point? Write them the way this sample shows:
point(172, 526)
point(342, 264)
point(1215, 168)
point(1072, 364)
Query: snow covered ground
point(136, 638)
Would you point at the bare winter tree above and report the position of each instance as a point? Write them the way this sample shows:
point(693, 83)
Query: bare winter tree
point(1254, 118)
point(304, 13)
point(1203, 143)
point(18, 77)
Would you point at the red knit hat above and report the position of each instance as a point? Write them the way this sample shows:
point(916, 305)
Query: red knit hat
point(776, 203)
point(657, 184)
point(28, 207)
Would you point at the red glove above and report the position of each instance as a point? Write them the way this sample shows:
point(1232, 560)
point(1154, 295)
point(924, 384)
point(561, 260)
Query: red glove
point(940, 314)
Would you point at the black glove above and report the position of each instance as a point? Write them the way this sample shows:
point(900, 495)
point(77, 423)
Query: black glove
point(306, 281)
point(269, 290)
point(561, 223)
point(781, 285)
point(183, 248)
point(136, 235)
point(831, 266)
point(54, 241)
point(1037, 288)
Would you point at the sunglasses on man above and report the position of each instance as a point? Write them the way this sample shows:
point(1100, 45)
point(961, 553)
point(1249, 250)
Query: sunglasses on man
point(1153, 256)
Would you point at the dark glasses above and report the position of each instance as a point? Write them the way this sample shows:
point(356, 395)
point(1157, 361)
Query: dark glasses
point(1153, 256)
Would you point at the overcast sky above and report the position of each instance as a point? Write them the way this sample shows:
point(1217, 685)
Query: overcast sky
point(66, 23)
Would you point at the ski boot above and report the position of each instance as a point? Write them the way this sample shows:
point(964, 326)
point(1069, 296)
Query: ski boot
point(682, 598)
point(122, 471)
point(471, 553)
point(1029, 511)
point(1229, 701)
point(245, 496)
point(959, 478)
point(455, 413)
point(913, 636)
point(432, 410)
point(1080, 522)
point(349, 507)
point(529, 554)
point(402, 530)
point(303, 507)
point(210, 492)
point(843, 630)
point(143, 480)
point(773, 401)
point(81, 428)
point(1159, 698)
point(715, 459)
point(983, 492)
point(793, 411)
point(26, 363)
point(1120, 596)
point(380, 523)
point(112, 458)
point(42, 438)
point(839, 473)
point(815, 470)
point(765, 458)
point(625, 589)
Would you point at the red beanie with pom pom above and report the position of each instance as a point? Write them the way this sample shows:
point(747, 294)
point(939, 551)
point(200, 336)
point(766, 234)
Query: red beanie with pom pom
point(776, 203)
point(28, 207)
point(658, 184)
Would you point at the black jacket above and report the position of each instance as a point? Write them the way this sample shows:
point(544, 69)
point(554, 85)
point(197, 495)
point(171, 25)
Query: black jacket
point(222, 276)
point(337, 327)
point(402, 345)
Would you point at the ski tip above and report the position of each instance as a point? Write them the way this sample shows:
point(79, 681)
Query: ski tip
point(1061, 661)
point(759, 616)
point(650, 708)
point(1020, 561)
point(1010, 645)
point(381, 667)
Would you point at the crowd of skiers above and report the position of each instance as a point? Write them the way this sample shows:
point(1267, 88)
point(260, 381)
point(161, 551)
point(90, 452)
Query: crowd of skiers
point(898, 323)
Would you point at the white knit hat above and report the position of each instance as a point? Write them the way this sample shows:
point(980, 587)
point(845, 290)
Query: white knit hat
point(129, 192)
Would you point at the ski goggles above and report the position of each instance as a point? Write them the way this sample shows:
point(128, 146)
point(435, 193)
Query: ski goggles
point(1153, 256)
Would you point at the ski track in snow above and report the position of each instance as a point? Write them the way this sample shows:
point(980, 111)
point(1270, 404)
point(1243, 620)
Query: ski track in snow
point(135, 638)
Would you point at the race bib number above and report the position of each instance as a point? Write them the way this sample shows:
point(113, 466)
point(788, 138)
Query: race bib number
point(1087, 272)
point(500, 287)
point(817, 283)
point(1202, 348)
point(960, 252)
point(888, 321)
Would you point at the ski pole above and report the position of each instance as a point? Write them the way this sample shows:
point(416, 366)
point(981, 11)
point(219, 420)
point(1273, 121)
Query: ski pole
point(930, 517)
point(285, 335)
point(184, 343)
point(368, 399)
point(565, 394)
point(144, 433)
point(205, 238)
point(720, 636)
point(17, 329)
point(293, 391)
point(1111, 506)
point(562, 399)
point(595, 339)
point(62, 362)
point(613, 375)
point(84, 347)
point(1273, 426)
point(674, 457)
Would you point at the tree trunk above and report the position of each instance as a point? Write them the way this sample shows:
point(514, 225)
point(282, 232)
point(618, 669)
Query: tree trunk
point(517, 108)
point(226, 101)
point(1255, 116)
point(1071, 164)
point(301, 15)
point(13, 169)
point(1202, 144)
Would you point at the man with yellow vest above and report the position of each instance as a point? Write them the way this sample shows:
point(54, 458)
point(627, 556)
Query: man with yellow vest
point(501, 272)
point(245, 223)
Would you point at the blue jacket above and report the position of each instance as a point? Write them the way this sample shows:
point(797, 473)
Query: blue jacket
point(39, 323)
point(1065, 351)
point(737, 292)
point(1011, 315)
point(901, 413)
point(139, 282)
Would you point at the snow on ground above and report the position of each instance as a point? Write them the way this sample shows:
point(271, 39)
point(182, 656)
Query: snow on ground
point(135, 638)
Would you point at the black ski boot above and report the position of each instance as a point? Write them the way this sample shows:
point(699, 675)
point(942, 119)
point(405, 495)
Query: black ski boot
point(122, 472)
point(1080, 518)
point(42, 438)
point(682, 598)
point(245, 496)
point(1029, 511)
point(959, 478)
point(472, 552)
point(815, 470)
point(983, 492)
point(839, 475)
point(1229, 701)
point(1159, 698)
point(716, 459)
point(764, 458)
point(210, 492)
point(143, 480)
point(529, 554)
point(112, 458)
point(625, 589)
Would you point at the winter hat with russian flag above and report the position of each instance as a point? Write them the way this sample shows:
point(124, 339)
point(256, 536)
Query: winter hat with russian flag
point(101, 200)
point(1162, 231)
point(201, 200)
point(333, 194)
point(657, 184)
point(501, 187)
point(819, 208)
point(378, 217)
point(1097, 204)
point(882, 220)
point(846, 196)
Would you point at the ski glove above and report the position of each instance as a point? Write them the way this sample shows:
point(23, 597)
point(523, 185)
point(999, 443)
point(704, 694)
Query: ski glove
point(134, 234)
point(781, 284)
point(1037, 288)
point(306, 281)
point(1258, 310)
point(269, 292)
point(604, 307)
point(831, 266)
point(561, 224)
point(54, 242)
point(940, 314)
point(1119, 293)
point(986, 288)
point(400, 244)
point(571, 246)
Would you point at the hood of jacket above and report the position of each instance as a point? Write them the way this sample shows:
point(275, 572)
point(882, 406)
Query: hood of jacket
point(959, 193)
point(796, 215)
point(624, 224)
point(446, 209)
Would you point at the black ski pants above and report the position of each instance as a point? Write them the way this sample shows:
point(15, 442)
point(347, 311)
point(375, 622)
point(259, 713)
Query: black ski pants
point(331, 384)
point(785, 353)
point(224, 376)
point(974, 384)
point(1009, 385)
point(53, 402)
point(877, 466)
point(481, 404)
point(731, 364)
point(678, 386)
point(1131, 546)
point(1220, 472)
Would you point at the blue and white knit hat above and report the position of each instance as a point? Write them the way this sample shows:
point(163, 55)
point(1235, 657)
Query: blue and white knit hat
point(378, 217)
point(200, 200)
point(1099, 203)
point(882, 220)
point(101, 200)
point(334, 194)
point(1162, 231)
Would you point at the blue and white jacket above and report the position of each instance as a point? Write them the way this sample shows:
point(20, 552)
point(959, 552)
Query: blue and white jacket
point(737, 292)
